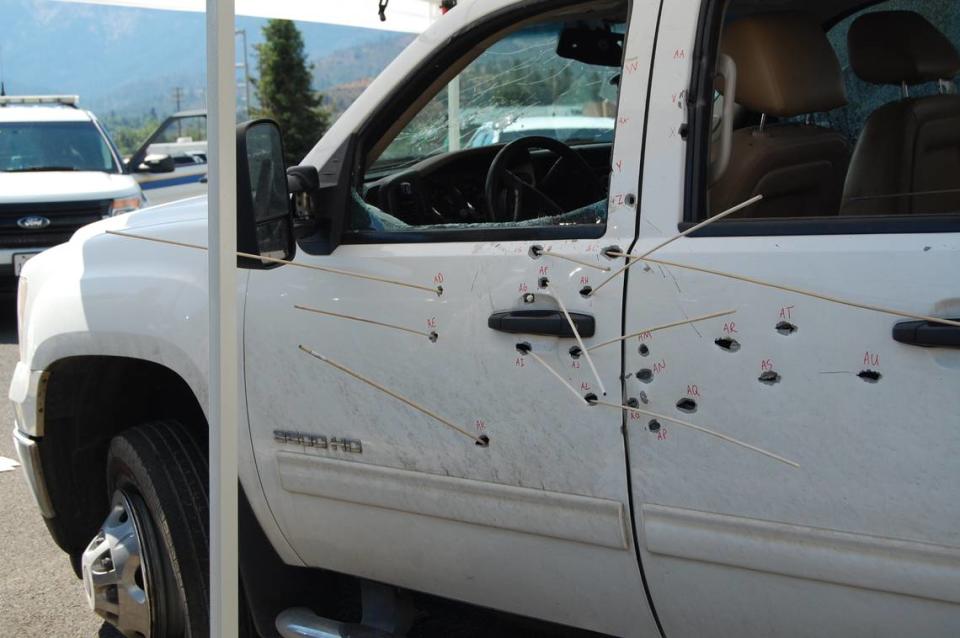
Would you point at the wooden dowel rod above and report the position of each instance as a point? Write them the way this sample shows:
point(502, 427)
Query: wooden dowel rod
point(583, 348)
point(664, 327)
point(805, 293)
point(336, 271)
point(431, 336)
point(704, 224)
point(157, 240)
point(575, 260)
point(556, 374)
point(698, 428)
point(374, 384)
point(693, 229)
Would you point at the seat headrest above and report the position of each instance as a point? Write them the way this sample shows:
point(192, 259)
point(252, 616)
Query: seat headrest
point(891, 47)
point(785, 64)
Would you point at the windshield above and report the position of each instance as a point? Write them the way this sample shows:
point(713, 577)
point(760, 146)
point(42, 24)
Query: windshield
point(518, 87)
point(54, 146)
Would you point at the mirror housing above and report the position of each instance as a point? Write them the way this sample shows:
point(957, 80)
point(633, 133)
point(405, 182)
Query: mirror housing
point(264, 214)
point(599, 47)
point(158, 164)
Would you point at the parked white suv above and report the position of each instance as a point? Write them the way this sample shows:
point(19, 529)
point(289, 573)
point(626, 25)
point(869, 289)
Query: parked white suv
point(58, 171)
point(569, 129)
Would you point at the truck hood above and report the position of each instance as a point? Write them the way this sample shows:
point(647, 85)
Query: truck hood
point(183, 213)
point(64, 186)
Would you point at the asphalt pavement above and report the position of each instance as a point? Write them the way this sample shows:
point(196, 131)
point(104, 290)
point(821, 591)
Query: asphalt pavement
point(39, 593)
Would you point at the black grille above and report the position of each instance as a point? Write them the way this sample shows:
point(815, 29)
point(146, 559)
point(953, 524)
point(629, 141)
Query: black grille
point(65, 218)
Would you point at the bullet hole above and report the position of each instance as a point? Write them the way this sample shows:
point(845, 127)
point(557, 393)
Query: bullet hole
point(529, 298)
point(591, 398)
point(645, 375)
point(643, 398)
point(926, 248)
point(687, 405)
point(576, 352)
point(612, 252)
point(536, 251)
point(630, 199)
point(769, 377)
point(870, 376)
point(653, 426)
point(644, 350)
point(433, 337)
point(728, 344)
point(543, 282)
point(585, 291)
point(633, 403)
point(786, 328)
point(524, 347)
point(483, 441)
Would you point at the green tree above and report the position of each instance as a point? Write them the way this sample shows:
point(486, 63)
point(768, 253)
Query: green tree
point(285, 90)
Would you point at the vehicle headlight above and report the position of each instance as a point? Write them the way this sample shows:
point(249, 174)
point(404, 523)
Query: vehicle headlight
point(125, 205)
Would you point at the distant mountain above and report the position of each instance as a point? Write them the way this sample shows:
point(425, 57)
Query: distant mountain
point(344, 74)
point(358, 62)
point(128, 61)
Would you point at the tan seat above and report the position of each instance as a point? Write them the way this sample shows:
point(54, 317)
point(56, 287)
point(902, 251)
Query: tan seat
point(785, 68)
point(912, 146)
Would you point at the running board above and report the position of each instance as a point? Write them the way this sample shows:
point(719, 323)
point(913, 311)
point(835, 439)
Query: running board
point(300, 622)
point(387, 613)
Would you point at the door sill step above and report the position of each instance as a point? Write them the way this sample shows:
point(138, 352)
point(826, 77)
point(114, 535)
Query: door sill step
point(300, 622)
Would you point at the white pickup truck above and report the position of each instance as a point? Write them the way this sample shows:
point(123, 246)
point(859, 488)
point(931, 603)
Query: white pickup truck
point(752, 431)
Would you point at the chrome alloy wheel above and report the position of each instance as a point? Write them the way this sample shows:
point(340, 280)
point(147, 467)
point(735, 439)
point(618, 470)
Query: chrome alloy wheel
point(115, 572)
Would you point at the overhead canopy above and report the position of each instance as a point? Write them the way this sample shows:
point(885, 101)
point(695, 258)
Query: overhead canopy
point(409, 16)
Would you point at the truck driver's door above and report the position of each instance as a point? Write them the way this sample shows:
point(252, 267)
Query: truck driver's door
point(482, 476)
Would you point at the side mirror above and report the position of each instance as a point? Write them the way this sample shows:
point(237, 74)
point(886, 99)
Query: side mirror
point(264, 216)
point(158, 164)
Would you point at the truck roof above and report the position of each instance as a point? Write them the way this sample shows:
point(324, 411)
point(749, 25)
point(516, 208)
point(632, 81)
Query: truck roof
point(43, 114)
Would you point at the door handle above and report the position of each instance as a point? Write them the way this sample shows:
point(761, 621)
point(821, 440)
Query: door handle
point(927, 334)
point(542, 322)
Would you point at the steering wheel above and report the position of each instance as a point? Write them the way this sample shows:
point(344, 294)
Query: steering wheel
point(513, 175)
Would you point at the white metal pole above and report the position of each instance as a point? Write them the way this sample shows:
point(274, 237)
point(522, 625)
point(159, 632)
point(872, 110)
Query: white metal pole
point(453, 114)
point(222, 243)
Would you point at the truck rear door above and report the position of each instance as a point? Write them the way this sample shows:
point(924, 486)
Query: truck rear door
point(863, 538)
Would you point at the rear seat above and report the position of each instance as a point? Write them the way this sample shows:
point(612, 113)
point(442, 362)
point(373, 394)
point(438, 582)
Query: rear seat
point(909, 151)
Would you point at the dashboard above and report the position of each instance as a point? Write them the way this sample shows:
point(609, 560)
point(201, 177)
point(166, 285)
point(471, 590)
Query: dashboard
point(449, 188)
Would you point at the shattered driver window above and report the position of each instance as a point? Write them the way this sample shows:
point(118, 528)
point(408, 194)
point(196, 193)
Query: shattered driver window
point(536, 92)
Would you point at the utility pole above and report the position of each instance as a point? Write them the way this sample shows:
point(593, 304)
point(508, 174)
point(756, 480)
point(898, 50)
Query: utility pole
point(246, 71)
point(178, 96)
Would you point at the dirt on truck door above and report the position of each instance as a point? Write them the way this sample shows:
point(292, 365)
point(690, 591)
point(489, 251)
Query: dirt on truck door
point(432, 432)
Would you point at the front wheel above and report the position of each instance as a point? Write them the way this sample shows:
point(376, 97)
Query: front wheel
point(147, 569)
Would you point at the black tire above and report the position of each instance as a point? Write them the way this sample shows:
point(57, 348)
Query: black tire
point(164, 471)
